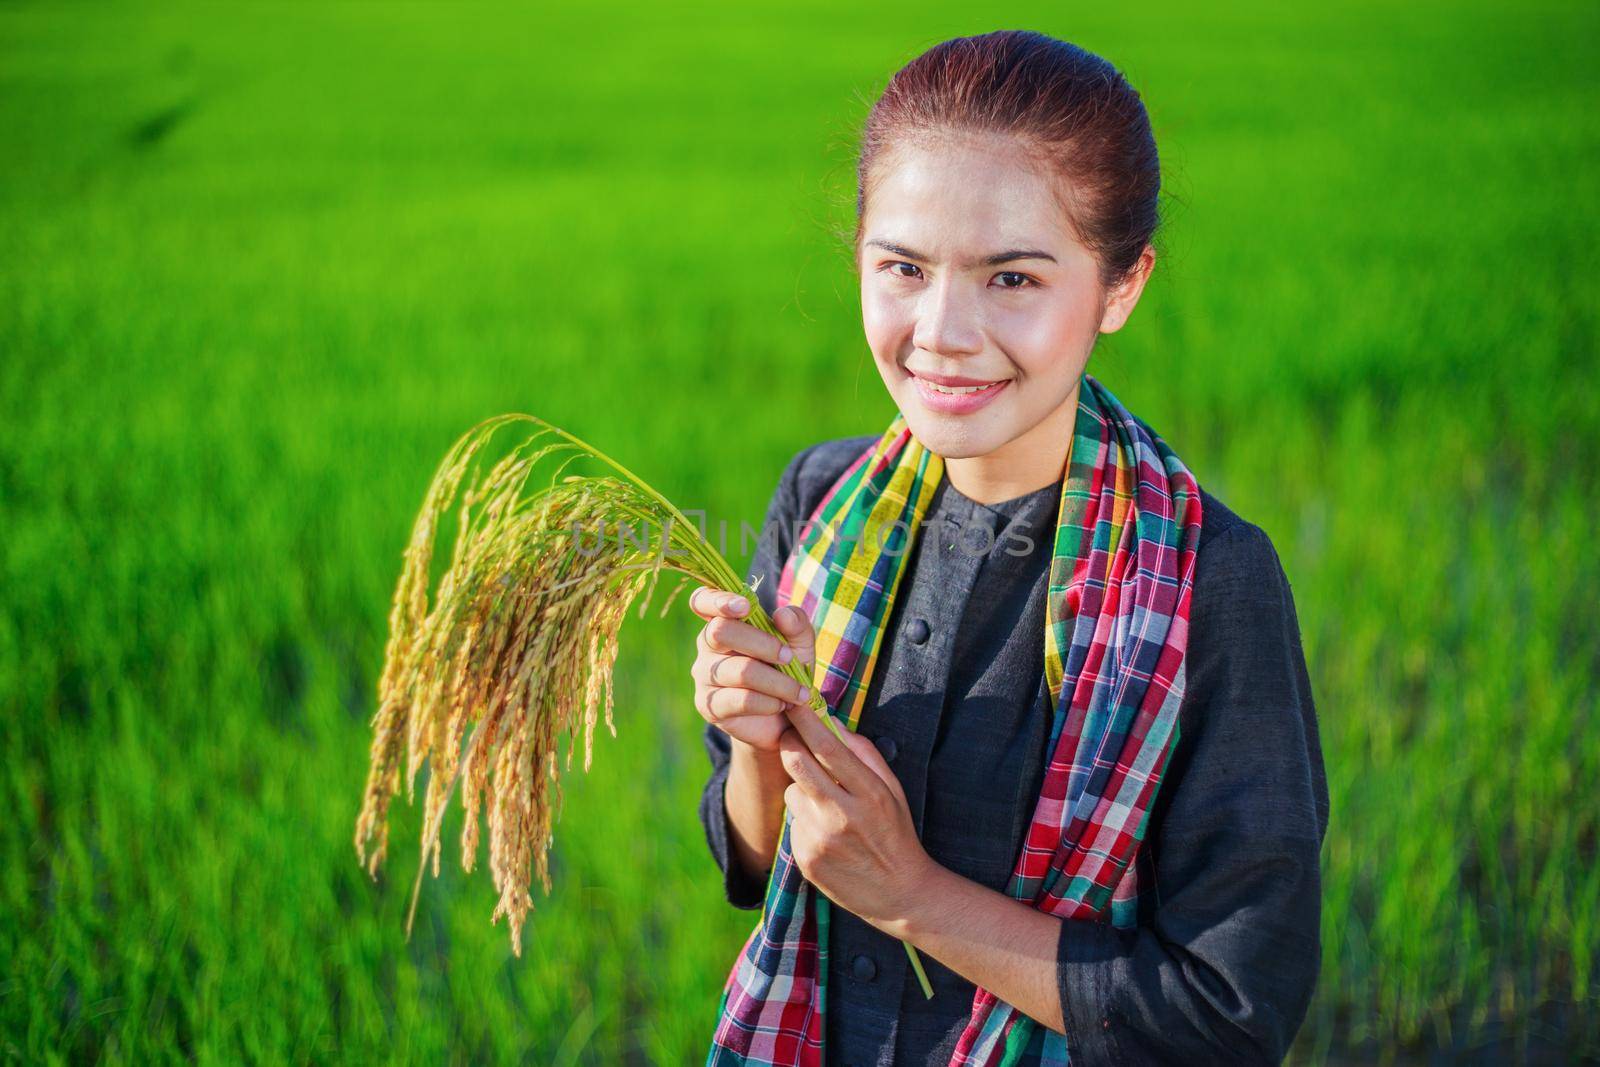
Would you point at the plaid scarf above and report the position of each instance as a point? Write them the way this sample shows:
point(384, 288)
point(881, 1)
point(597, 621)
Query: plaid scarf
point(1121, 577)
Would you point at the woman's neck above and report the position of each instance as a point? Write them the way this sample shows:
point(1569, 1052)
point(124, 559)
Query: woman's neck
point(1032, 461)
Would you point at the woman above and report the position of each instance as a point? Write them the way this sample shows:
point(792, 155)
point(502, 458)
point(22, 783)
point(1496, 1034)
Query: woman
point(1082, 777)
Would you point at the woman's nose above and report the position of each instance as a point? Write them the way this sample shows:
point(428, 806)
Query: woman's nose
point(946, 322)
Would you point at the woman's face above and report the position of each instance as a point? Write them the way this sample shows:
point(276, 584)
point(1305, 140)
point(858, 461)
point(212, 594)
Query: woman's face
point(971, 275)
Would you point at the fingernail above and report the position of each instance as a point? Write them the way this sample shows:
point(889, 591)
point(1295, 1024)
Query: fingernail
point(739, 604)
point(805, 693)
point(785, 654)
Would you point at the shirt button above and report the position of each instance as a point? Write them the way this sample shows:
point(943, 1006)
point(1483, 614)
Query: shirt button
point(863, 968)
point(886, 746)
point(917, 631)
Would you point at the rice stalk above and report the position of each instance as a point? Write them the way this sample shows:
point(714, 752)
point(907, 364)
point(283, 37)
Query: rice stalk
point(517, 643)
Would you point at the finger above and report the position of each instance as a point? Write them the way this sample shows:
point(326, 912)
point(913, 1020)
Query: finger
point(732, 635)
point(868, 753)
point(704, 669)
point(746, 673)
point(807, 773)
point(795, 625)
point(709, 602)
point(801, 807)
point(709, 649)
point(836, 757)
point(725, 703)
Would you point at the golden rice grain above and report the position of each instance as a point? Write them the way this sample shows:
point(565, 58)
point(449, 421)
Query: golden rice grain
point(516, 641)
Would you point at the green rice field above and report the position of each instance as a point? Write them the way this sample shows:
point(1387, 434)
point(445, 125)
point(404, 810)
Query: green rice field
point(261, 264)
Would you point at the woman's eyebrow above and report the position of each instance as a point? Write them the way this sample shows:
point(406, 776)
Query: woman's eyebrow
point(986, 261)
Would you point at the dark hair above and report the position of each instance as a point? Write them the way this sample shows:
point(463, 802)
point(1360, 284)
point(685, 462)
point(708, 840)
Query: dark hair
point(1072, 110)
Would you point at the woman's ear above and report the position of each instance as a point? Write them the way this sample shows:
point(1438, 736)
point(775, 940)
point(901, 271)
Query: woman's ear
point(1122, 297)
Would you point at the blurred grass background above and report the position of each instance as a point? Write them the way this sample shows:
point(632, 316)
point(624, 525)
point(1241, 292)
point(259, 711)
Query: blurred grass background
point(260, 265)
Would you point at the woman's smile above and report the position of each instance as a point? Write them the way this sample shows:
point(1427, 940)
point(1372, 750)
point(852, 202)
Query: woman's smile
point(949, 395)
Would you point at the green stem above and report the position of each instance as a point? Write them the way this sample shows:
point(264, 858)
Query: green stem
point(795, 670)
point(922, 975)
point(626, 473)
point(758, 617)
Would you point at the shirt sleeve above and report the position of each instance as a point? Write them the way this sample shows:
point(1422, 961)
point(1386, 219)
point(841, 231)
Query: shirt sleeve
point(1225, 970)
point(772, 549)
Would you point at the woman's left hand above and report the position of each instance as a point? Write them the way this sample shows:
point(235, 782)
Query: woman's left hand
point(852, 835)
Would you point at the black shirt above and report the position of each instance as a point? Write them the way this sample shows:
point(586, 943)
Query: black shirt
point(1222, 965)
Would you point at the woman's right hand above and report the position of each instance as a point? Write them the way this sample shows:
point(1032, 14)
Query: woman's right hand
point(738, 686)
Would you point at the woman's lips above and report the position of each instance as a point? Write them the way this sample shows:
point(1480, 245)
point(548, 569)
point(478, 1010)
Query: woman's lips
point(957, 403)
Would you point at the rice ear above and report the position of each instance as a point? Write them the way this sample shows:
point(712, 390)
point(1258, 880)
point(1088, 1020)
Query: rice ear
point(515, 647)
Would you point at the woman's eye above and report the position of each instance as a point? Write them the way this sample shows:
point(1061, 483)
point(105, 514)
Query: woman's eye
point(1018, 280)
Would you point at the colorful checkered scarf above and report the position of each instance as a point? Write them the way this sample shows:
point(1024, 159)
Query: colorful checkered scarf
point(1121, 577)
